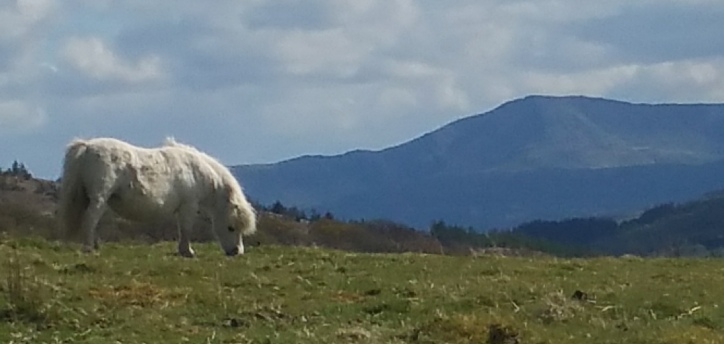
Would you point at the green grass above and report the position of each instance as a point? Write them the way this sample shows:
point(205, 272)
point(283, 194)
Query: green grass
point(136, 293)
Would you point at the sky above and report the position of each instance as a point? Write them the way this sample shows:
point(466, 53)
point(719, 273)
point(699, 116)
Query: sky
point(260, 81)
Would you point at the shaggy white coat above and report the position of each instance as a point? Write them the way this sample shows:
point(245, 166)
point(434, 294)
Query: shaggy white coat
point(151, 184)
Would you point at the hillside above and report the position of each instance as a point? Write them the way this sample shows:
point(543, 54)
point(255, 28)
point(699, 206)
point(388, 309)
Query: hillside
point(133, 293)
point(693, 228)
point(675, 229)
point(532, 158)
point(27, 208)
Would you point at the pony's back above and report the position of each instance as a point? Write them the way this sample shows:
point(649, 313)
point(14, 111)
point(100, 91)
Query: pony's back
point(222, 172)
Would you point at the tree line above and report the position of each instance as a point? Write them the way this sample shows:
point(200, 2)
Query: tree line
point(16, 169)
point(689, 229)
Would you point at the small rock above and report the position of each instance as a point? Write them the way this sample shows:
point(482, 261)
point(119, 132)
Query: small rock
point(579, 295)
point(499, 334)
point(373, 292)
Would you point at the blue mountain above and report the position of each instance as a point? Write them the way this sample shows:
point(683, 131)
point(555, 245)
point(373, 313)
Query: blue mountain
point(538, 157)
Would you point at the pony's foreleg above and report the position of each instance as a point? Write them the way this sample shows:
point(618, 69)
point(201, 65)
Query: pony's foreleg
point(91, 217)
point(185, 222)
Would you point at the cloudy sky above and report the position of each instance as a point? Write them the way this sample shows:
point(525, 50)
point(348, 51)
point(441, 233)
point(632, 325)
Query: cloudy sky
point(258, 81)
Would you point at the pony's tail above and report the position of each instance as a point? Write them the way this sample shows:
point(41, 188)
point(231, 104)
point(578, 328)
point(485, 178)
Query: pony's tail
point(73, 199)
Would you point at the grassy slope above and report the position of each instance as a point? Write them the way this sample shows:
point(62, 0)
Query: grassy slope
point(139, 293)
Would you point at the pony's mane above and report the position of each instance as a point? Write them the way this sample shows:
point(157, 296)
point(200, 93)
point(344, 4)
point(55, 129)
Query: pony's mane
point(223, 172)
point(171, 142)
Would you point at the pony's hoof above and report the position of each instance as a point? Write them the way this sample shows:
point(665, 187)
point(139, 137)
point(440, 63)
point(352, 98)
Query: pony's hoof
point(88, 249)
point(187, 254)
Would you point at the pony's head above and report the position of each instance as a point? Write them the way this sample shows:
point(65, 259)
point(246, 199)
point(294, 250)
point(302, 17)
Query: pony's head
point(234, 215)
point(239, 220)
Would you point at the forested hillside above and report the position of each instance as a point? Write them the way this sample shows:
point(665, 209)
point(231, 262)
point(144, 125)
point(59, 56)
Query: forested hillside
point(696, 228)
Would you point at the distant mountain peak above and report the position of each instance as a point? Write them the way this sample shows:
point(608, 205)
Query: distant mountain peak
point(485, 169)
point(575, 132)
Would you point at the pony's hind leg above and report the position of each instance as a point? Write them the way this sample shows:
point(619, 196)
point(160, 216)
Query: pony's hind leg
point(91, 217)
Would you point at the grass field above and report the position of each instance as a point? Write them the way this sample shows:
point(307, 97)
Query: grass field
point(137, 293)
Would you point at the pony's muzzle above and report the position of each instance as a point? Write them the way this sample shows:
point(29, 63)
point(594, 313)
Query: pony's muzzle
point(232, 252)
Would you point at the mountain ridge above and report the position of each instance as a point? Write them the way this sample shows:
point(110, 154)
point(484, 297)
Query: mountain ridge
point(537, 141)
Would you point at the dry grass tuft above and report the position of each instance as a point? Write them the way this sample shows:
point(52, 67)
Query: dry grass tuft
point(557, 307)
point(24, 294)
point(138, 294)
point(355, 334)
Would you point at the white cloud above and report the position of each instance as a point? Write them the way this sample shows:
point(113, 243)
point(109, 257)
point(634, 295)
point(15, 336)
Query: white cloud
point(17, 117)
point(93, 58)
point(429, 83)
point(586, 82)
point(19, 17)
point(358, 34)
point(695, 80)
point(674, 81)
point(702, 74)
point(35, 9)
point(328, 52)
point(398, 98)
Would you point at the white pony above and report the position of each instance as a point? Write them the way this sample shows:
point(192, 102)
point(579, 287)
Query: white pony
point(151, 184)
